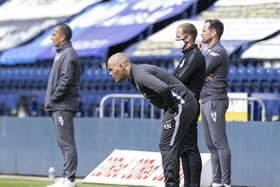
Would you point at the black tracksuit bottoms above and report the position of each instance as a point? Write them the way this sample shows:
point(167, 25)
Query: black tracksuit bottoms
point(171, 140)
point(190, 155)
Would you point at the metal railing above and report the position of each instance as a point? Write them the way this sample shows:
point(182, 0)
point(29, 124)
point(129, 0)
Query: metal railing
point(129, 100)
point(124, 101)
point(251, 101)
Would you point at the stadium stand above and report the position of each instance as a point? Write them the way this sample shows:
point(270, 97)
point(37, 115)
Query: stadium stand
point(29, 64)
point(241, 32)
point(24, 69)
point(33, 17)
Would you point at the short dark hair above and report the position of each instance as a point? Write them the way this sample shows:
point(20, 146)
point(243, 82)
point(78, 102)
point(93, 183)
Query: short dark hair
point(190, 29)
point(217, 25)
point(65, 30)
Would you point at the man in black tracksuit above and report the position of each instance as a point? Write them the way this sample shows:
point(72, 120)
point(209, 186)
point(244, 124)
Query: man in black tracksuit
point(62, 98)
point(190, 71)
point(166, 92)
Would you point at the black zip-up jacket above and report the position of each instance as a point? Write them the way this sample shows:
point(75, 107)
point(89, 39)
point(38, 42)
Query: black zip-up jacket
point(63, 84)
point(191, 69)
point(161, 88)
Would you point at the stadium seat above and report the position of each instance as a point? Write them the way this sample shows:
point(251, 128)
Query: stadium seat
point(231, 77)
point(247, 81)
point(271, 101)
point(259, 79)
point(275, 80)
point(238, 79)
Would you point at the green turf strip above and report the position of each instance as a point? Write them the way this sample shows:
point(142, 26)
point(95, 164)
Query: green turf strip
point(8, 182)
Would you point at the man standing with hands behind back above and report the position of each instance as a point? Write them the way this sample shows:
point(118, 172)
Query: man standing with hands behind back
point(62, 98)
point(190, 71)
point(214, 103)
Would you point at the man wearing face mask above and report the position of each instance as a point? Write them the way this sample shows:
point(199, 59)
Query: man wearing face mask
point(190, 71)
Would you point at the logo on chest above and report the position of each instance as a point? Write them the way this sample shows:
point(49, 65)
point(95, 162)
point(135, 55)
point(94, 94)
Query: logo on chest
point(182, 63)
point(57, 57)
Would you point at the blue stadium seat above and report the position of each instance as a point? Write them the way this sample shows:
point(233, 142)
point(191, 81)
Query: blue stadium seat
point(265, 82)
point(272, 103)
point(250, 77)
point(9, 73)
point(232, 74)
point(31, 74)
point(97, 74)
point(2, 73)
point(89, 104)
point(275, 80)
point(105, 76)
point(93, 79)
point(10, 101)
point(259, 79)
point(239, 78)
point(4, 108)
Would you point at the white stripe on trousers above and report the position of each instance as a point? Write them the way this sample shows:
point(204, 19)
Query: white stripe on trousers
point(177, 121)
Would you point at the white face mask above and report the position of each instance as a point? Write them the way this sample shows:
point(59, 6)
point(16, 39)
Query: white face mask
point(179, 44)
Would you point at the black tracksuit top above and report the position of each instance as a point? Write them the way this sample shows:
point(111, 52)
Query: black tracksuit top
point(161, 88)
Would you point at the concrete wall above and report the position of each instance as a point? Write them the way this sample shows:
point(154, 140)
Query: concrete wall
point(28, 146)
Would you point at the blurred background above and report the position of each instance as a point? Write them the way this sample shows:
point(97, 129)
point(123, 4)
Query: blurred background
point(145, 31)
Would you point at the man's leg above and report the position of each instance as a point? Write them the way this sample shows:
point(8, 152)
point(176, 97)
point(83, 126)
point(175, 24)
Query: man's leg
point(171, 141)
point(191, 159)
point(64, 128)
point(190, 155)
point(206, 118)
point(219, 138)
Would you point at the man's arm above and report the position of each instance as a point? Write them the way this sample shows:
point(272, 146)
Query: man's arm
point(66, 77)
point(213, 60)
point(161, 89)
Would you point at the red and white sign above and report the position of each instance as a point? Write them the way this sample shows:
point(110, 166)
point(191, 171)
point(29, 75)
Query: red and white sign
point(123, 167)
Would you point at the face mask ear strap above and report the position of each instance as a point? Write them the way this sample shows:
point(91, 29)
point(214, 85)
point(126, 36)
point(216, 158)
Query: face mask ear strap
point(185, 37)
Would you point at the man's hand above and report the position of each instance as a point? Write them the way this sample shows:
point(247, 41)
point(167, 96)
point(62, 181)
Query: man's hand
point(209, 77)
point(174, 114)
point(200, 45)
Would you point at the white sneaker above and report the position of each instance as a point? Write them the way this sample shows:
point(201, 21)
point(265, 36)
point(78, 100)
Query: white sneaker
point(63, 182)
point(227, 185)
point(216, 185)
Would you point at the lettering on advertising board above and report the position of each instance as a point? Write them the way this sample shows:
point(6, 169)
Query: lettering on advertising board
point(123, 167)
point(265, 10)
point(154, 49)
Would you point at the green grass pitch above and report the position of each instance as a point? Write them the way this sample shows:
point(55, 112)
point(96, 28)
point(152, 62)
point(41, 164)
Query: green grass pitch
point(10, 182)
